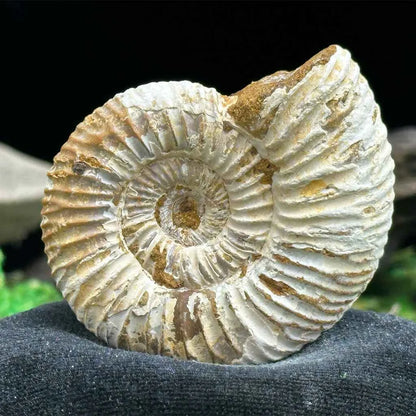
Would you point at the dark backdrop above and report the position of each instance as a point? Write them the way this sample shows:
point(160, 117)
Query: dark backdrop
point(60, 60)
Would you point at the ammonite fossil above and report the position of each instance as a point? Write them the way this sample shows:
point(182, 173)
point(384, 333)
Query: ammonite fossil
point(226, 229)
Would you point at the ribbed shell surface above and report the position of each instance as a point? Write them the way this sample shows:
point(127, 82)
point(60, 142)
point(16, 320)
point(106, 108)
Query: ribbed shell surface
point(225, 229)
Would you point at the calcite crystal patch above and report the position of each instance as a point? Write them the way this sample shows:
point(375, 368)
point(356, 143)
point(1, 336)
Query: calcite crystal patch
point(224, 229)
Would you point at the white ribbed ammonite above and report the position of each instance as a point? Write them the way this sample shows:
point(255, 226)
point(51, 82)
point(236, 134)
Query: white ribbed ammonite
point(225, 229)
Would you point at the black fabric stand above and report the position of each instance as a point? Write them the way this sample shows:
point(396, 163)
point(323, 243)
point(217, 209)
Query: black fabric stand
point(51, 365)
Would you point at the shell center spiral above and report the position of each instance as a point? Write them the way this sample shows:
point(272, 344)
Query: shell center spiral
point(173, 205)
point(186, 213)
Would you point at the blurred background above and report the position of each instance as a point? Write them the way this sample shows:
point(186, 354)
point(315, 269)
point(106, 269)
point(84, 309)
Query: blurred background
point(61, 60)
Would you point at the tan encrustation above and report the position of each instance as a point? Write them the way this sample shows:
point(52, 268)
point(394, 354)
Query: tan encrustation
point(224, 229)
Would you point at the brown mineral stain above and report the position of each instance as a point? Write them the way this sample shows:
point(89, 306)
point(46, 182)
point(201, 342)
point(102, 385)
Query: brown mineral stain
point(282, 289)
point(323, 299)
point(227, 126)
point(369, 210)
point(96, 124)
point(282, 259)
point(375, 113)
point(185, 327)
point(116, 198)
point(227, 257)
point(111, 120)
point(353, 152)
point(338, 102)
point(253, 151)
point(246, 111)
point(211, 295)
point(86, 265)
point(266, 169)
point(132, 229)
point(357, 274)
point(253, 258)
point(278, 288)
point(92, 162)
point(159, 275)
point(64, 156)
point(245, 160)
point(334, 120)
point(187, 215)
point(160, 202)
point(144, 299)
point(243, 270)
point(180, 187)
point(338, 114)
point(323, 251)
point(123, 338)
point(313, 188)
point(286, 260)
point(55, 174)
point(321, 58)
point(86, 289)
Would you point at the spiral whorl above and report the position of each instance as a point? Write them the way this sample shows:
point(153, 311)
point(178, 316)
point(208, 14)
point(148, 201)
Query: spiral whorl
point(182, 222)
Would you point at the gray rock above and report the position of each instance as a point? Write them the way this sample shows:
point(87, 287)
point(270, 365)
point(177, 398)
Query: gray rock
point(22, 181)
point(403, 230)
point(403, 143)
point(39, 269)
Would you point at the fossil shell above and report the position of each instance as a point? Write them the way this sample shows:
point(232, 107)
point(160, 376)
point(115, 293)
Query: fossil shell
point(226, 229)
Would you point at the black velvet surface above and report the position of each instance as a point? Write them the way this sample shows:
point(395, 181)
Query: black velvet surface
point(51, 365)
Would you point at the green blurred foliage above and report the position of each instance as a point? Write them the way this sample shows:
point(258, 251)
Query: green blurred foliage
point(393, 290)
point(20, 296)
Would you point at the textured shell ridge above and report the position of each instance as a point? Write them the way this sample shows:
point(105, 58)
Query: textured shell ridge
point(182, 222)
